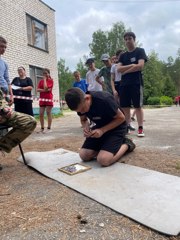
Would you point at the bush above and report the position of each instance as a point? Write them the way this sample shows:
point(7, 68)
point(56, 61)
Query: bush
point(165, 100)
point(153, 101)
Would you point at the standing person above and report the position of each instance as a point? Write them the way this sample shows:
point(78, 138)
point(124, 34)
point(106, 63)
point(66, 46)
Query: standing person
point(45, 87)
point(131, 63)
point(22, 124)
point(91, 75)
point(25, 85)
point(115, 76)
point(105, 72)
point(5, 84)
point(80, 83)
point(106, 140)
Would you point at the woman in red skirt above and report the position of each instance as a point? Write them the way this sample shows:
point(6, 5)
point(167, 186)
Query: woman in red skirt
point(46, 99)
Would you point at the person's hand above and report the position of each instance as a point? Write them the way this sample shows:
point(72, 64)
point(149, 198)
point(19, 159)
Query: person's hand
point(115, 93)
point(87, 131)
point(96, 133)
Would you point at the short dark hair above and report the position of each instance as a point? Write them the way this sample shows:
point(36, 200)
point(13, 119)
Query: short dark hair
point(118, 52)
point(3, 40)
point(74, 96)
point(130, 34)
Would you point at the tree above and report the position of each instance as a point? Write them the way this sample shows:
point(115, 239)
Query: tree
point(107, 42)
point(173, 69)
point(153, 77)
point(82, 68)
point(169, 87)
point(65, 78)
point(175, 74)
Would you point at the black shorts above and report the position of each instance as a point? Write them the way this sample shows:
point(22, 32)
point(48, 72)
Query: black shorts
point(110, 141)
point(117, 85)
point(131, 95)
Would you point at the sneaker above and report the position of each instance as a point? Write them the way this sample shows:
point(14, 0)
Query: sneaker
point(131, 145)
point(131, 128)
point(133, 119)
point(140, 133)
point(41, 131)
point(48, 130)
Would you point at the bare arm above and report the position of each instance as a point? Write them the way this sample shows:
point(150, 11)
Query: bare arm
point(122, 69)
point(40, 90)
point(118, 119)
point(99, 81)
point(136, 67)
point(84, 121)
point(45, 85)
point(11, 94)
point(112, 84)
point(28, 88)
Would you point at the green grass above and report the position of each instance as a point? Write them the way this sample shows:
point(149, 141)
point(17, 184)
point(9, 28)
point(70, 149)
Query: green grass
point(53, 116)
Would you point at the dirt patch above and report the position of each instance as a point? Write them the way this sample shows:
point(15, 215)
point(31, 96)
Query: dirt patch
point(35, 207)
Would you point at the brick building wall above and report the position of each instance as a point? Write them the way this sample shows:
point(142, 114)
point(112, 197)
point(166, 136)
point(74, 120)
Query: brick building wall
point(13, 27)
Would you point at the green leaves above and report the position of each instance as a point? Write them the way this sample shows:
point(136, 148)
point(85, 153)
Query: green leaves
point(107, 42)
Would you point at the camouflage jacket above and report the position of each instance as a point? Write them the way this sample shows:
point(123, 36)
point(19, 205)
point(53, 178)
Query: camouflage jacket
point(5, 110)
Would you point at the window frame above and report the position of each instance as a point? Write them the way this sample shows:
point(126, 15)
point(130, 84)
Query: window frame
point(30, 20)
point(36, 77)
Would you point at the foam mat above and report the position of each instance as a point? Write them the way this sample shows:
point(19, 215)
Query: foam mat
point(148, 197)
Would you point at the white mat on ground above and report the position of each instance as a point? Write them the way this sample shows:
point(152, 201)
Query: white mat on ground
point(148, 197)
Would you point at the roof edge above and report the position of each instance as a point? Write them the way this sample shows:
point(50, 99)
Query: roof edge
point(47, 5)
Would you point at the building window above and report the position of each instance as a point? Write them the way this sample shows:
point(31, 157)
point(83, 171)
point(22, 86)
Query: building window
point(36, 74)
point(36, 33)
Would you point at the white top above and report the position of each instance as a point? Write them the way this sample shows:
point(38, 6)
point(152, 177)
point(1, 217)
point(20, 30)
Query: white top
point(93, 85)
point(116, 73)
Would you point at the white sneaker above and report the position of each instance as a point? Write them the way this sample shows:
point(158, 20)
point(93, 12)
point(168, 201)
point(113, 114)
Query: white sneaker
point(48, 130)
point(41, 131)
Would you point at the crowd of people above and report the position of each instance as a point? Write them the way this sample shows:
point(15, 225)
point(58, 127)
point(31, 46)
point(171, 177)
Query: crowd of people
point(103, 101)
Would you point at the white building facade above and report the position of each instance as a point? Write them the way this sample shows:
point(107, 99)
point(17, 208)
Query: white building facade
point(29, 28)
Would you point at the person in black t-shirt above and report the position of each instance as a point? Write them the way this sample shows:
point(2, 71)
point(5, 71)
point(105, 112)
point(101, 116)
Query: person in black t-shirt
point(25, 85)
point(105, 140)
point(130, 65)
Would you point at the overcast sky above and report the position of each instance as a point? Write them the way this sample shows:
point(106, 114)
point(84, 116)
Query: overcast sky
point(156, 24)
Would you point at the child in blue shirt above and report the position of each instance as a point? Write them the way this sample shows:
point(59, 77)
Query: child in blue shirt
point(80, 83)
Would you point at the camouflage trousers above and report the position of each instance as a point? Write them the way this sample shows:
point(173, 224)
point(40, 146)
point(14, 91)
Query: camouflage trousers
point(22, 126)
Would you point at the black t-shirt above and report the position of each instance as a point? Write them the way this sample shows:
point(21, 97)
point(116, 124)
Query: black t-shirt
point(22, 83)
point(103, 109)
point(128, 58)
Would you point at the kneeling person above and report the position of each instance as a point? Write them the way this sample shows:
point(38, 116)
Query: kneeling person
point(106, 139)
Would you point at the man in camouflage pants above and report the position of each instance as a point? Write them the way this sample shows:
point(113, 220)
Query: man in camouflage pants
point(22, 126)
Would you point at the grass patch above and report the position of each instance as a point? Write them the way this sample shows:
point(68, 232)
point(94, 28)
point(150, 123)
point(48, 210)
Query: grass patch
point(53, 116)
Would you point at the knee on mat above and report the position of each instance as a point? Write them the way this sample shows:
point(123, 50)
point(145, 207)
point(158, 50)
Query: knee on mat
point(85, 156)
point(105, 162)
